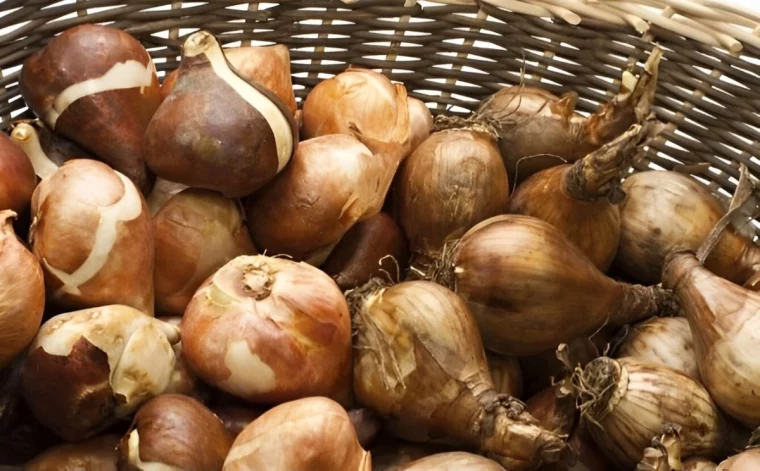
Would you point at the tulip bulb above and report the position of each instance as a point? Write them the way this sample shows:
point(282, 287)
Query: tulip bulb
point(216, 130)
point(195, 233)
point(311, 434)
point(17, 180)
point(172, 431)
point(665, 211)
point(453, 461)
point(452, 181)
point(666, 341)
point(726, 332)
point(522, 278)
point(258, 319)
point(363, 101)
point(626, 402)
point(539, 130)
point(581, 199)
point(22, 296)
point(419, 360)
point(162, 192)
point(332, 183)
point(91, 232)
point(97, 86)
point(87, 369)
point(98, 453)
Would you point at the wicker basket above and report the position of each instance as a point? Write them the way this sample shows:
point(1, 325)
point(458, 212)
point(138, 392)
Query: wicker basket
point(453, 53)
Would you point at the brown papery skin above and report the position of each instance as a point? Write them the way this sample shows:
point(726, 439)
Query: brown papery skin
point(554, 409)
point(23, 292)
point(421, 121)
point(374, 247)
point(539, 130)
point(258, 319)
point(175, 431)
point(663, 340)
point(311, 434)
point(700, 464)
point(112, 123)
point(195, 233)
point(419, 360)
point(522, 278)
point(665, 211)
point(506, 374)
point(95, 454)
point(580, 199)
point(68, 207)
point(726, 331)
point(452, 181)
point(748, 460)
point(453, 461)
point(18, 179)
point(635, 400)
point(359, 100)
point(331, 183)
point(267, 65)
point(88, 369)
point(206, 135)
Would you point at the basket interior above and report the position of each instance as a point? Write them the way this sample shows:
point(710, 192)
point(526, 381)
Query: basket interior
point(451, 54)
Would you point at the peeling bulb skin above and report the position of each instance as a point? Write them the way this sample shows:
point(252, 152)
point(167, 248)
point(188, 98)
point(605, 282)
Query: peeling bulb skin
point(216, 130)
point(87, 369)
point(46, 150)
point(119, 87)
point(22, 293)
point(267, 65)
point(626, 402)
point(725, 328)
point(539, 130)
point(331, 183)
point(418, 360)
point(666, 211)
point(93, 238)
point(195, 233)
point(17, 178)
point(174, 432)
point(162, 192)
point(95, 454)
point(310, 434)
point(258, 319)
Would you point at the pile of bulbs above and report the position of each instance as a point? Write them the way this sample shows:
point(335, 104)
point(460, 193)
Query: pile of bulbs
point(197, 275)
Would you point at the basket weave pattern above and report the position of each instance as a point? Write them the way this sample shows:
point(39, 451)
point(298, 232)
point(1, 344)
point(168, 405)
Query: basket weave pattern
point(453, 53)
